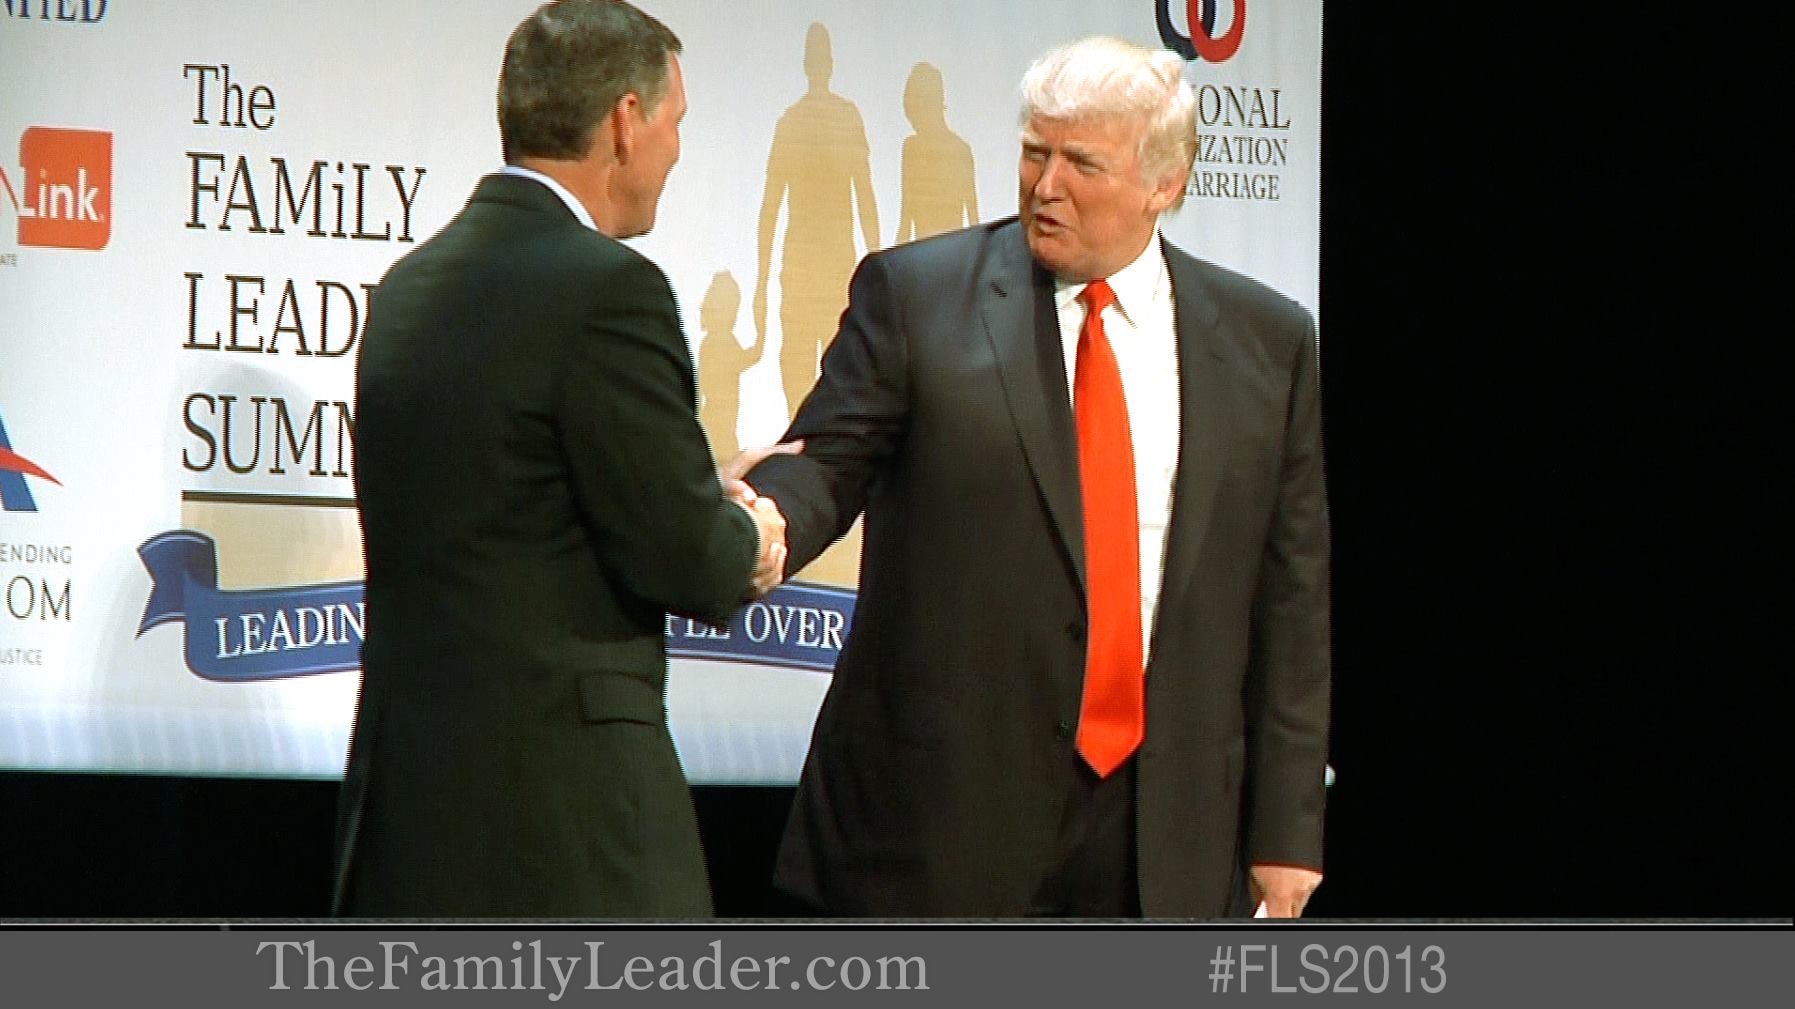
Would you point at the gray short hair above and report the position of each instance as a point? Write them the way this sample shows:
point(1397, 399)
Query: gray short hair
point(568, 64)
point(1104, 76)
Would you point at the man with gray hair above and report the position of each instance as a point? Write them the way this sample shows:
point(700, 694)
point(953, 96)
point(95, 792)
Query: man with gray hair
point(1088, 674)
point(536, 495)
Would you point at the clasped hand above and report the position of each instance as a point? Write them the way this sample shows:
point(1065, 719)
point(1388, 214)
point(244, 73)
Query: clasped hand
point(769, 570)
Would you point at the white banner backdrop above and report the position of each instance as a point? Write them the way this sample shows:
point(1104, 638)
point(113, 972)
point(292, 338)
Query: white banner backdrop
point(204, 193)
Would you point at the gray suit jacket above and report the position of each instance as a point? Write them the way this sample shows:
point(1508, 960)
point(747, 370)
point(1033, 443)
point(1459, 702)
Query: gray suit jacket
point(937, 773)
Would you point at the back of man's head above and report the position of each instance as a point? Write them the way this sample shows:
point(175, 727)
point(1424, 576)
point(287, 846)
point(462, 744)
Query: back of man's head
point(567, 65)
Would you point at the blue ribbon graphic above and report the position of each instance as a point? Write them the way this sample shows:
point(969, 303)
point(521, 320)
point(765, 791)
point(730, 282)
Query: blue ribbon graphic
point(301, 630)
point(247, 635)
point(798, 626)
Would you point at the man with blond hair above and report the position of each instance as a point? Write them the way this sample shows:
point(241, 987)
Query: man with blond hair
point(1089, 669)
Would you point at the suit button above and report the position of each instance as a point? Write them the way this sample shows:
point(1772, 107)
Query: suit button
point(1075, 631)
point(1063, 729)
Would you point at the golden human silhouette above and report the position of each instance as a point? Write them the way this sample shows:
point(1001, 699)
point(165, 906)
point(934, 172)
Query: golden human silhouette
point(721, 361)
point(819, 170)
point(939, 193)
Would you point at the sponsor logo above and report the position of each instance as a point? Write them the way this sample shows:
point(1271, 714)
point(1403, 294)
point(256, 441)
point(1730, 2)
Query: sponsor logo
point(1202, 43)
point(63, 195)
point(15, 493)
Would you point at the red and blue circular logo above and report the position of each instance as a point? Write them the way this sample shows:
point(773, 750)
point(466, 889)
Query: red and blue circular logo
point(1202, 42)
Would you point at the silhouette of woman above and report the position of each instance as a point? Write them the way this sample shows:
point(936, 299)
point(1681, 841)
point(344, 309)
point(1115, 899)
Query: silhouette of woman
point(939, 193)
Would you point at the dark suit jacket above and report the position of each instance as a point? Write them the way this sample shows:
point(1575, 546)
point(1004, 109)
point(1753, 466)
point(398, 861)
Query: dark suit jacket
point(535, 495)
point(937, 773)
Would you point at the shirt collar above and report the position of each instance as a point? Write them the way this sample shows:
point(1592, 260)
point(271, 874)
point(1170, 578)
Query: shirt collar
point(577, 208)
point(1135, 285)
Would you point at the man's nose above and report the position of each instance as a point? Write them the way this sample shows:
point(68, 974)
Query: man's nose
point(1048, 183)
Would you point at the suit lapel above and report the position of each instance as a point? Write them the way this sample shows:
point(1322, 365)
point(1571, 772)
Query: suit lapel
point(1023, 327)
point(1203, 431)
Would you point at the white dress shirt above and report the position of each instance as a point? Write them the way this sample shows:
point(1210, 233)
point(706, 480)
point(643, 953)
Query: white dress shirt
point(1141, 331)
point(573, 203)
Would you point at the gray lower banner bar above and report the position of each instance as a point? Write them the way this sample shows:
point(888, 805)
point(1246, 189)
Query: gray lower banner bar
point(1092, 967)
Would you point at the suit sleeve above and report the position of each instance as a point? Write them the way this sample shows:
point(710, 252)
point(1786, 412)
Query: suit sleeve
point(1288, 683)
point(642, 469)
point(851, 422)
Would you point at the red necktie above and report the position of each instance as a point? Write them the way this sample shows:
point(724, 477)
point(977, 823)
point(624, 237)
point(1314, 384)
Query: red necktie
point(1112, 719)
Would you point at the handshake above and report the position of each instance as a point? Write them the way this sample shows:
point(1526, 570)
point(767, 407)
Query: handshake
point(769, 570)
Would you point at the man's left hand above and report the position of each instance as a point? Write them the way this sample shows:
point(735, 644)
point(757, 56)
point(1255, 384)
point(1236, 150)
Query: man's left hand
point(1283, 889)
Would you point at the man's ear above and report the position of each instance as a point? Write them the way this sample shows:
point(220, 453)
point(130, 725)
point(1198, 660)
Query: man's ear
point(1165, 194)
point(625, 116)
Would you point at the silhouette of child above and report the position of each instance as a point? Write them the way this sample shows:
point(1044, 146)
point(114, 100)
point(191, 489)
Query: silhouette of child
point(721, 361)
